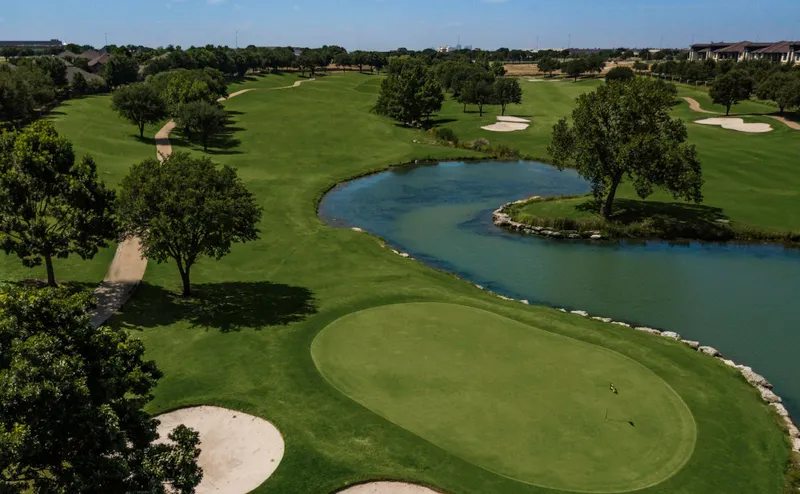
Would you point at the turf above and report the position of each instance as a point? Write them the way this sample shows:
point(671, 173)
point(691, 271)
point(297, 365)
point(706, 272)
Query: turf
point(525, 403)
point(244, 341)
point(94, 129)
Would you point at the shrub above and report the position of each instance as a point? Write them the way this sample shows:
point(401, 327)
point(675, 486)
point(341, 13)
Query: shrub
point(480, 144)
point(96, 86)
point(444, 134)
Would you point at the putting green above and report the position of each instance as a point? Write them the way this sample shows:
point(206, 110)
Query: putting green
point(513, 399)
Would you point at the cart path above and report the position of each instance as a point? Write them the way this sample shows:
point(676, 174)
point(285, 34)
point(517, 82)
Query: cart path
point(129, 265)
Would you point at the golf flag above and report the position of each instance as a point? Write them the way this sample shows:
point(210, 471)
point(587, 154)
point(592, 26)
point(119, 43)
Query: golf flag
point(613, 388)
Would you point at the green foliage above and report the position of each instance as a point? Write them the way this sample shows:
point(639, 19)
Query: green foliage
point(549, 65)
point(185, 208)
point(53, 67)
point(120, 70)
point(731, 88)
point(182, 86)
point(445, 134)
point(97, 86)
point(343, 60)
point(478, 90)
point(498, 69)
point(409, 93)
point(71, 399)
point(506, 91)
point(16, 99)
point(640, 66)
point(202, 120)
point(140, 104)
point(620, 74)
point(50, 206)
point(575, 68)
point(622, 130)
point(781, 87)
point(79, 86)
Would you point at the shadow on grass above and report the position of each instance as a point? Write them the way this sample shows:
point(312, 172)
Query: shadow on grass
point(228, 307)
point(34, 283)
point(668, 215)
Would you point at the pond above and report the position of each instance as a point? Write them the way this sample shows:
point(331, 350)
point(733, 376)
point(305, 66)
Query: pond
point(741, 299)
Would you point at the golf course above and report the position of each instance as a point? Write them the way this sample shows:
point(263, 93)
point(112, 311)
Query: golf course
point(377, 367)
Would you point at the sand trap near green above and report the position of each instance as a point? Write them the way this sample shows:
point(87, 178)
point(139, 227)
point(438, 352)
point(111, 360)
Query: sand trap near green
point(510, 398)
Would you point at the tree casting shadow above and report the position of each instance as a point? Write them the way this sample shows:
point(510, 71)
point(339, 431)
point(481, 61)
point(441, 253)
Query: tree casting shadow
point(672, 214)
point(228, 307)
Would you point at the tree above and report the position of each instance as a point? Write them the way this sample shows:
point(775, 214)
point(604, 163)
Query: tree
point(779, 87)
point(640, 66)
point(410, 92)
point(625, 130)
point(506, 91)
point(140, 104)
point(731, 88)
point(548, 65)
point(186, 208)
point(16, 101)
point(360, 58)
point(202, 120)
point(50, 206)
point(79, 86)
point(71, 404)
point(343, 60)
point(575, 68)
point(620, 74)
point(498, 69)
point(120, 70)
point(478, 90)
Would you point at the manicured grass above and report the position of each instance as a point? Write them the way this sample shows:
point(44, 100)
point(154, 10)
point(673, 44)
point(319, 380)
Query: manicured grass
point(94, 129)
point(525, 403)
point(245, 341)
point(751, 178)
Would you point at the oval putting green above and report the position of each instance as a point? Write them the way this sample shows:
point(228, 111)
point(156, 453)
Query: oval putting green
point(521, 402)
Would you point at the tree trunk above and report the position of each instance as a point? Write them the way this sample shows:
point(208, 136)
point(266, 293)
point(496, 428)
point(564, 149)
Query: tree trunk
point(727, 109)
point(480, 109)
point(465, 108)
point(503, 113)
point(51, 277)
point(141, 130)
point(607, 207)
point(187, 287)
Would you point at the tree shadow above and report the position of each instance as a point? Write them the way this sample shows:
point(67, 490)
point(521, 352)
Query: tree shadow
point(672, 218)
point(229, 307)
point(37, 284)
point(440, 121)
point(790, 116)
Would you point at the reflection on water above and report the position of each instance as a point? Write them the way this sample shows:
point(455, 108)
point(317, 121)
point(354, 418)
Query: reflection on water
point(743, 300)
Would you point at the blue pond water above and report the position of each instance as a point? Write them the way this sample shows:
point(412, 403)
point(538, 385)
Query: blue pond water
point(743, 300)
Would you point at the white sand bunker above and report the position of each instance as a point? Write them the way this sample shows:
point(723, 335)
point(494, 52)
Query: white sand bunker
point(737, 124)
point(508, 124)
point(238, 452)
point(388, 488)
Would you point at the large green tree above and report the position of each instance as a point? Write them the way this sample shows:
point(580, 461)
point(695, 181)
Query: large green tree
point(202, 121)
point(478, 90)
point(731, 88)
point(186, 208)
point(620, 74)
point(410, 92)
point(548, 65)
point(506, 91)
point(625, 130)
point(50, 205)
point(782, 88)
point(119, 70)
point(71, 404)
point(140, 104)
point(575, 68)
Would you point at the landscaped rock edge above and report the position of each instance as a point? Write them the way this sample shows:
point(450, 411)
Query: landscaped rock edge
point(503, 220)
point(758, 381)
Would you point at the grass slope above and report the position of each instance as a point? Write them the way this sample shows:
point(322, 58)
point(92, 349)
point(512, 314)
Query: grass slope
point(244, 342)
point(526, 403)
point(94, 129)
point(750, 179)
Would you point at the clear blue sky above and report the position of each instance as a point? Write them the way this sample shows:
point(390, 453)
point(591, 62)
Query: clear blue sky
point(388, 24)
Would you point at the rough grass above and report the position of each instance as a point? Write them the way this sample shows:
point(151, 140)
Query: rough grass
point(250, 348)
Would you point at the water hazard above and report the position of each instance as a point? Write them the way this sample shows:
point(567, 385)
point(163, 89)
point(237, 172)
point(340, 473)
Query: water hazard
point(743, 300)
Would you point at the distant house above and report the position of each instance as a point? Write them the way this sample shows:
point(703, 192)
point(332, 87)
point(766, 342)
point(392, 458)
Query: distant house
point(96, 65)
point(784, 51)
point(33, 45)
point(67, 54)
point(90, 54)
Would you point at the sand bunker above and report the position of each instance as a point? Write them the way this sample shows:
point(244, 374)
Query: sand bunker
point(737, 124)
point(238, 451)
point(508, 124)
point(388, 488)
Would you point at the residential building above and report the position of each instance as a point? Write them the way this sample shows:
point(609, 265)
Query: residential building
point(443, 49)
point(783, 51)
point(33, 45)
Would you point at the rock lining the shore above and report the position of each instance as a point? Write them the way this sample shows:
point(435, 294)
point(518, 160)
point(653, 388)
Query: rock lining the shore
point(503, 220)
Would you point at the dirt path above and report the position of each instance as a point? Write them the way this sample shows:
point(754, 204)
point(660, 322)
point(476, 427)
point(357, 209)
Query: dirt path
point(695, 106)
point(127, 269)
point(242, 91)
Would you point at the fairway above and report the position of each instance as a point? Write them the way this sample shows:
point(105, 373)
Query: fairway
point(521, 402)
